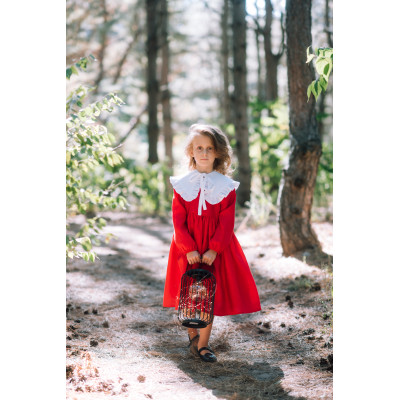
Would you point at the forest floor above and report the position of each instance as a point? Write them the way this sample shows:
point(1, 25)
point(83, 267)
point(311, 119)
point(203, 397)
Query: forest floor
point(122, 343)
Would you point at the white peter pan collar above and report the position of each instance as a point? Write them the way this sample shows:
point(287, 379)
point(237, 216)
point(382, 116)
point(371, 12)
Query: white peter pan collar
point(214, 187)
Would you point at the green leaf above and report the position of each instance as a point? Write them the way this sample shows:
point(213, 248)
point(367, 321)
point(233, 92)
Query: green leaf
point(309, 56)
point(88, 111)
point(101, 222)
point(328, 52)
point(92, 256)
point(110, 161)
point(69, 73)
point(327, 70)
point(316, 89)
point(320, 65)
point(86, 243)
point(323, 83)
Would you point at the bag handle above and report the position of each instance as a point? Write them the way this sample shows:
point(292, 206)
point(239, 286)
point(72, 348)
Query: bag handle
point(188, 268)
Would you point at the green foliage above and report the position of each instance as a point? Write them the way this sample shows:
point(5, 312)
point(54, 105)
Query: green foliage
point(324, 182)
point(324, 66)
point(88, 149)
point(269, 146)
point(146, 185)
point(80, 65)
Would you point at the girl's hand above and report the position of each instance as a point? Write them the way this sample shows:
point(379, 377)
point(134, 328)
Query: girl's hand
point(209, 256)
point(193, 257)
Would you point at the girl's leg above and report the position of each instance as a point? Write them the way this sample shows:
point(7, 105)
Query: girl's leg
point(205, 334)
point(192, 333)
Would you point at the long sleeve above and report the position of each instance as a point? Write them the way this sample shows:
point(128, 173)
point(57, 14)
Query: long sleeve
point(226, 222)
point(182, 237)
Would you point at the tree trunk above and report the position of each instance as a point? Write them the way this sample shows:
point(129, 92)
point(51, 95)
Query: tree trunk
point(272, 62)
point(165, 93)
point(260, 80)
point(328, 29)
point(271, 59)
point(152, 83)
point(226, 99)
point(298, 181)
point(241, 99)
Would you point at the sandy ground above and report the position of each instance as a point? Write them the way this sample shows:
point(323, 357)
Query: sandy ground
point(122, 343)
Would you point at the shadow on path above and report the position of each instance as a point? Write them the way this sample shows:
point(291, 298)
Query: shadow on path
point(315, 258)
point(235, 379)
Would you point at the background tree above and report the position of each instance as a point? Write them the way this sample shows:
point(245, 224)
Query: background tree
point(225, 42)
point(152, 81)
point(240, 99)
point(298, 180)
point(165, 92)
point(271, 58)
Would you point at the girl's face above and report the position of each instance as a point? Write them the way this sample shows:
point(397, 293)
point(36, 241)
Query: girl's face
point(204, 153)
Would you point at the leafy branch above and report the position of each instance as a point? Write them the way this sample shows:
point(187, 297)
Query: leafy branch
point(88, 147)
point(324, 66)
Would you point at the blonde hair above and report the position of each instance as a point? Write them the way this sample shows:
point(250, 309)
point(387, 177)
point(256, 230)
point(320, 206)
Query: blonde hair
point(223, 150)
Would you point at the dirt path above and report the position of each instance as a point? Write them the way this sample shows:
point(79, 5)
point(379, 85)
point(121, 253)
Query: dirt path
point(122, 343)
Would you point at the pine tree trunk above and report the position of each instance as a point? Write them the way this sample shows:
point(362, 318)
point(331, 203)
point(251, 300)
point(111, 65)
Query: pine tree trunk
point(328, 25)
point(271, 59)
point(152, 83)
point(165, 93)
point(298, 181)
point(260, 80)
point(241, 100)
point(226, 99)
point(272, 62)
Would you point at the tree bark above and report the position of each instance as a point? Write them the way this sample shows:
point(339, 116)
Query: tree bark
point(328, 29)
point(226, 98)
point(152, 82)
point(298, 181)
point(241, 99)
point(271, 59)
point(260, 76)
point(165, 93)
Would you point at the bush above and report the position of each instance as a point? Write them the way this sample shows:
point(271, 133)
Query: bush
point(146, 186)
point(88, 151)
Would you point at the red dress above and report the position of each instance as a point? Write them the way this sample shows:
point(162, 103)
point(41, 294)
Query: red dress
point(236, 291)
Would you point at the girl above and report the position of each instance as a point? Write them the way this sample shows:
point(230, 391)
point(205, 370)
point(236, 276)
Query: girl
point(203, 214)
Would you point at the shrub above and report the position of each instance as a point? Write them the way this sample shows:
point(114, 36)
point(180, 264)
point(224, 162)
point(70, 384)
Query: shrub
point(88, 150)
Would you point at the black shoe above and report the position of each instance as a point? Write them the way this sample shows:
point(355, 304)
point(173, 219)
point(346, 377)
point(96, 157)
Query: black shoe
point(193, 344)
point(207, 357)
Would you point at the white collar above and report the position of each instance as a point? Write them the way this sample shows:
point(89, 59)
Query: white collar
point(213, 187)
